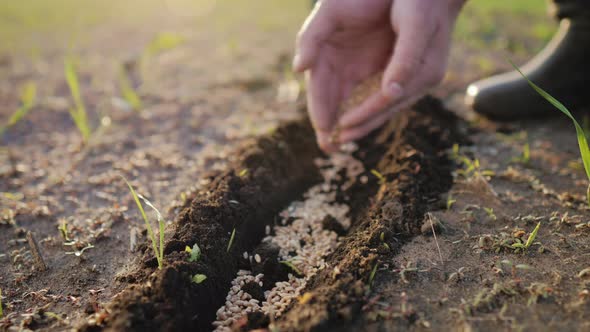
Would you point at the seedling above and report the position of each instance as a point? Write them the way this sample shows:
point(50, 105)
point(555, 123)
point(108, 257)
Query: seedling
point(78, 113)
point(27, 100)
point(1, 311)
point(379, 176)
point(472, 168)
point(195, 253)
point(231, 239)
point(158, 250)
point(372, 275)
point(530, 240)
point(450, 202)
point(129, 94)
point(382, 238)
point(581, 135)
point(164, 41)
point(63, 230)
point(292, 267)
point(490, 213)
point(525, 158)
point(198, 278)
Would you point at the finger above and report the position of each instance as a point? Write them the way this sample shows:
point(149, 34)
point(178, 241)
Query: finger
point(366, 128)
point(321, 100)
point(310, 37)
point(413, 39)
point(369, 108)
point(352, 134)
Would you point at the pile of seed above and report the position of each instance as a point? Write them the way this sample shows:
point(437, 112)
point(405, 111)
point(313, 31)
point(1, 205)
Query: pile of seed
point(237, 302)
point(302, 240)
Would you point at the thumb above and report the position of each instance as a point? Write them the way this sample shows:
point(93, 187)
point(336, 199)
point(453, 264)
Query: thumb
point(314, 31)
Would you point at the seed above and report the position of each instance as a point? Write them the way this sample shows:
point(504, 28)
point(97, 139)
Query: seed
point(257, 258)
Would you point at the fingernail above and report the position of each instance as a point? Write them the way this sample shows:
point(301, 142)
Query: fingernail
point(394, 91)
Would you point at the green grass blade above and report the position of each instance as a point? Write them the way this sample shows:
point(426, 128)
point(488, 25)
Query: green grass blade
point(231, 240)
point(372, 276)
point(1, 312)
point(28, 98)
point(129, 94)
point(161, 223)
point(582, 142)
point(73, 84)
point(146, 220)
point(531, 239)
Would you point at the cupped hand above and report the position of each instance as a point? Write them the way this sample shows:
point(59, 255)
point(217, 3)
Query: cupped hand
point(344, 42)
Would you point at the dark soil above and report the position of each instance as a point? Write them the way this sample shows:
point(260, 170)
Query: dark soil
point(410, 154)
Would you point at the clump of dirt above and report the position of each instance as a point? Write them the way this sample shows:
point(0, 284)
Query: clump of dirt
point(269, 174)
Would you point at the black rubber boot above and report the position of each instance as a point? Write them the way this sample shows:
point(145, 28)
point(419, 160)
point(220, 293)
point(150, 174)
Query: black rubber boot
point(562, 69)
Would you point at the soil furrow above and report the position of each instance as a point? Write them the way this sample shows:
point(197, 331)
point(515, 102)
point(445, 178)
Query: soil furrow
point(265, 178)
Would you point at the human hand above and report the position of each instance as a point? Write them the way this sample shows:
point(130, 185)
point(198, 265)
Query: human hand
point(344, 42)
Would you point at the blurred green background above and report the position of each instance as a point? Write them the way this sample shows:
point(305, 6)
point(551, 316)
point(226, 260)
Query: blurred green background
point(27, 25)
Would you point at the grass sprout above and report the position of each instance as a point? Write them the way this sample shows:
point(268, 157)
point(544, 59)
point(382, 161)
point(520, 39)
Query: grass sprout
point(525, 157)
point(162, 42)
point(1, 311)
point(63, 230)
point(195, 253)
point(379, 176)
point(27, 99)
point(127, 91)
point(78, 113)
point(530, 240)
point(292, 266)
point(198, 278)
point(372, 275)
point(581, 135)
point(158, 249)
point(450, 202)
point(231, 240)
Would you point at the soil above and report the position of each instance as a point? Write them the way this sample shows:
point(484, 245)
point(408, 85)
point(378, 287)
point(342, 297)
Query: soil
point(217, 148)
point(410, 153)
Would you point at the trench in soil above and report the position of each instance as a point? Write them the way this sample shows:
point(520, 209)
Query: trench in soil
point(265, 177)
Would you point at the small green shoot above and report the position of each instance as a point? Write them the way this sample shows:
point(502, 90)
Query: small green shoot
point(195, 253)
point(292, 267)
point(198, 278)
point(63, 230)
point(450, 202)
point(382, 238)
point(581, 135)
point(27, 100)
point(372, 275)
point(529, 242)
point(231, 239)
point(525, 158)
point(1, 311)
point(78, 113)
point(129, 94)
point(379, 176)
point(164, 41)
point(490, 213)
point(158, 250)
point(243, 172)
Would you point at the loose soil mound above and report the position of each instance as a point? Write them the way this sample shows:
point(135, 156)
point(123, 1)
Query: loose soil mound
point(270, 173)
